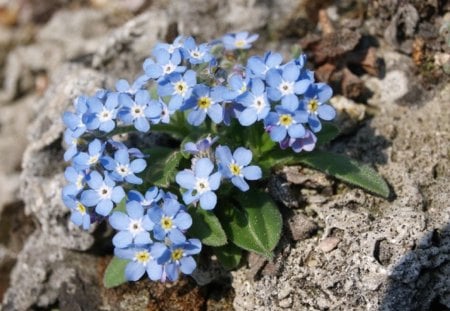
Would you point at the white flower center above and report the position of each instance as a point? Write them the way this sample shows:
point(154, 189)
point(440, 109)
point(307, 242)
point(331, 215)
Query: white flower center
point(93, 159)
point(168, 68)
point(105, 115)
point(135, 226)
point(142, 257)
point(286, 88)
point(137, 111)
point(180, 88)
point(79, 183)
point(259, 103)
point(104, 192)
point(196, 54)
point(202, 185)
point(123, 170)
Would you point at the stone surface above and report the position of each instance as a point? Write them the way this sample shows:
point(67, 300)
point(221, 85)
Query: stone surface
point(351, 250)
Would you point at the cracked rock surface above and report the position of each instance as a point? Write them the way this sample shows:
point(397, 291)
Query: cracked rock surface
point(344, 249)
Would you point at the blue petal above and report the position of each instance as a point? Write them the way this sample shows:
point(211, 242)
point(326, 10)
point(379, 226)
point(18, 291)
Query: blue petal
point(196, 117)
point(135, 210)
point(172, 271)
point(176, 236)
point(155, 214)
point(104, 207)
point(183, 221)
point(296, 131)
point(214, 180)
point(326, 112)
point(142, 97)
point(223, 153)
point(171, 207)
point(301, 86)
point(89, 198)
point(290, 72)
point(186, 179)
point(203, 168)
point(143, 238)
point(252, 172)
point(278, 133)
point(94, 180)
point(154, 270)
point(324, 92)
point(138, 165)
point(117, 194)
point(248, 117)
point(208, 200)
point(141, 124)
point(240, 183)
point(242, 156)
point(122, 239)
point(273, 78)
point(290, 102)
point(314, 123)
point(134, 271)
point(119, 221)
point(188, 265)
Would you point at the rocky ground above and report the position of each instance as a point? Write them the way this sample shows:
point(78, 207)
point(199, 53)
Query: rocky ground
point(342, 249)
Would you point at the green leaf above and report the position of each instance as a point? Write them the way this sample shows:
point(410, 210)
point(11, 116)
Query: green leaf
point(327, 134)
point(121, 207)
point(229, 255)
point(163, 166)
point(253, 222)
point(206, 227)
point(347, 170)
point(115, 272)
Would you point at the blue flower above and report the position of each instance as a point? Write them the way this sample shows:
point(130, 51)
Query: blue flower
point(314, 103)
point(196, 54)
point(165, 64)
point(80, 214)
point(85, 160)
point(236, 167)
point(285, 122)
point(258, 66)
point(201, 148)
point(71, 145)
point(204, 101)
point(179, 258)
point(256, 104)
point(102, 115)
point(76, 181)
point(122, 169)
point(142, 260)
point(75, 121)
point(170, 221)
point(133, 226)
point(199, 184)
point(102, 193)
point(139, 110)
point(306, 143)
point(152, 195)
point(179, 87)
point(240, 40)
point(123, 86)
point(285, 86)
point(171, 48)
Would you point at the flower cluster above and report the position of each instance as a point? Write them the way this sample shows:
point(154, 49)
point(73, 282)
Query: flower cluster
point(209, 86)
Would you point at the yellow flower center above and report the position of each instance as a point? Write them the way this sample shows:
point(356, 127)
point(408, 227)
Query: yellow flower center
point(240, 43)
point(93, 159)
point(235, 169)
point(180, 87)
point(313, 105)
point(177, 254)
point(285, 120)
point(166, 223)
point(204, 102)
point(142, 257)
point(81, 208)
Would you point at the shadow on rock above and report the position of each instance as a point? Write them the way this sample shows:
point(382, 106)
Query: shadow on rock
point(420, 280)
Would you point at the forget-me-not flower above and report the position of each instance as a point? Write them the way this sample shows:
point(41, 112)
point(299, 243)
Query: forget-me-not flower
point(236, 167)
point(102, 193)
point(138, 111)
point(133, 226)
point(200, 184)
point(85, 160)
point(204, 101)
point(255, 102)
point(170, 221)
point(314, 103)
point(121, 168)
point(238, 41)
point(179, 258)
point(179, 87)
point(284, 122)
